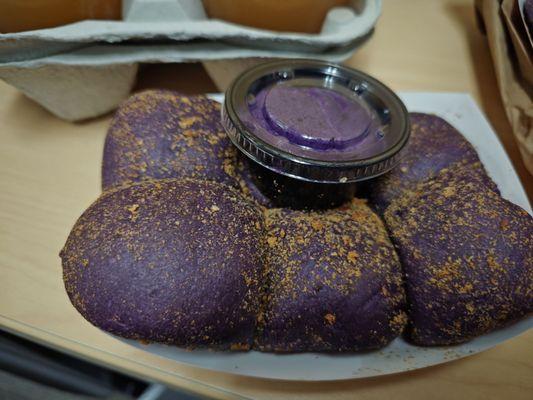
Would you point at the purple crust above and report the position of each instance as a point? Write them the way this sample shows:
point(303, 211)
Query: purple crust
point(174, 261)
point(191, 251)
point(467, 254)
point(334, 282)
point(160, 134)
point(434, 144)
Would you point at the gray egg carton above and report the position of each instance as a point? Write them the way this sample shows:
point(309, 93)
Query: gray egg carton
point(86, 69)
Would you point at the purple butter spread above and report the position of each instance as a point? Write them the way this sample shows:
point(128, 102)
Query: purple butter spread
point(314, 122)
point(315, 117)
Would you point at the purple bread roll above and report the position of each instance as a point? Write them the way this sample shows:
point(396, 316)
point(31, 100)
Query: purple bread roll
point(467, 255)
point(173, 261)
point(160, 134)
point(434, 145)
point(334, 282)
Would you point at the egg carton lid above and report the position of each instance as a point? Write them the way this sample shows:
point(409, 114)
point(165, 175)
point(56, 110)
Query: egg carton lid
point(59, 82)
point(185, 21)
point(105, 55)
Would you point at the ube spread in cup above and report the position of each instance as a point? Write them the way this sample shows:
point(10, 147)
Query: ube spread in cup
point(315, 122)
point(311, 118)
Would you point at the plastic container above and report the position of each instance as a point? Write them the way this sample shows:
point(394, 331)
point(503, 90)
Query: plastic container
point(314, 122)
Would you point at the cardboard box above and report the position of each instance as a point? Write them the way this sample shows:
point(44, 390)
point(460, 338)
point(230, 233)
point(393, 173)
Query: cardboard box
point(515, 90)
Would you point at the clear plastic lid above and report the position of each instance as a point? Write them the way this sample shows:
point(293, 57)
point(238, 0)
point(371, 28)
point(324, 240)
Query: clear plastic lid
point(316, 121)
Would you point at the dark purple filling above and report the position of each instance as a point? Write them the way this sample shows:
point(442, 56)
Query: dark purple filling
point(315, 117)
point(313, 122)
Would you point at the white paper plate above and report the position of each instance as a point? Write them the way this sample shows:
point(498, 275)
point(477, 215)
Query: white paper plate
point(462, 112)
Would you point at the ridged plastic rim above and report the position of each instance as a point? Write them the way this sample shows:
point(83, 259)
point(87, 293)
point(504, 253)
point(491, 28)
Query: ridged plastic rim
point(308, 169)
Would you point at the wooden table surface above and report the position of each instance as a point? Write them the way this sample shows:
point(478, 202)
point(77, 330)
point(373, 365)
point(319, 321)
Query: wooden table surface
point(50, 171)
